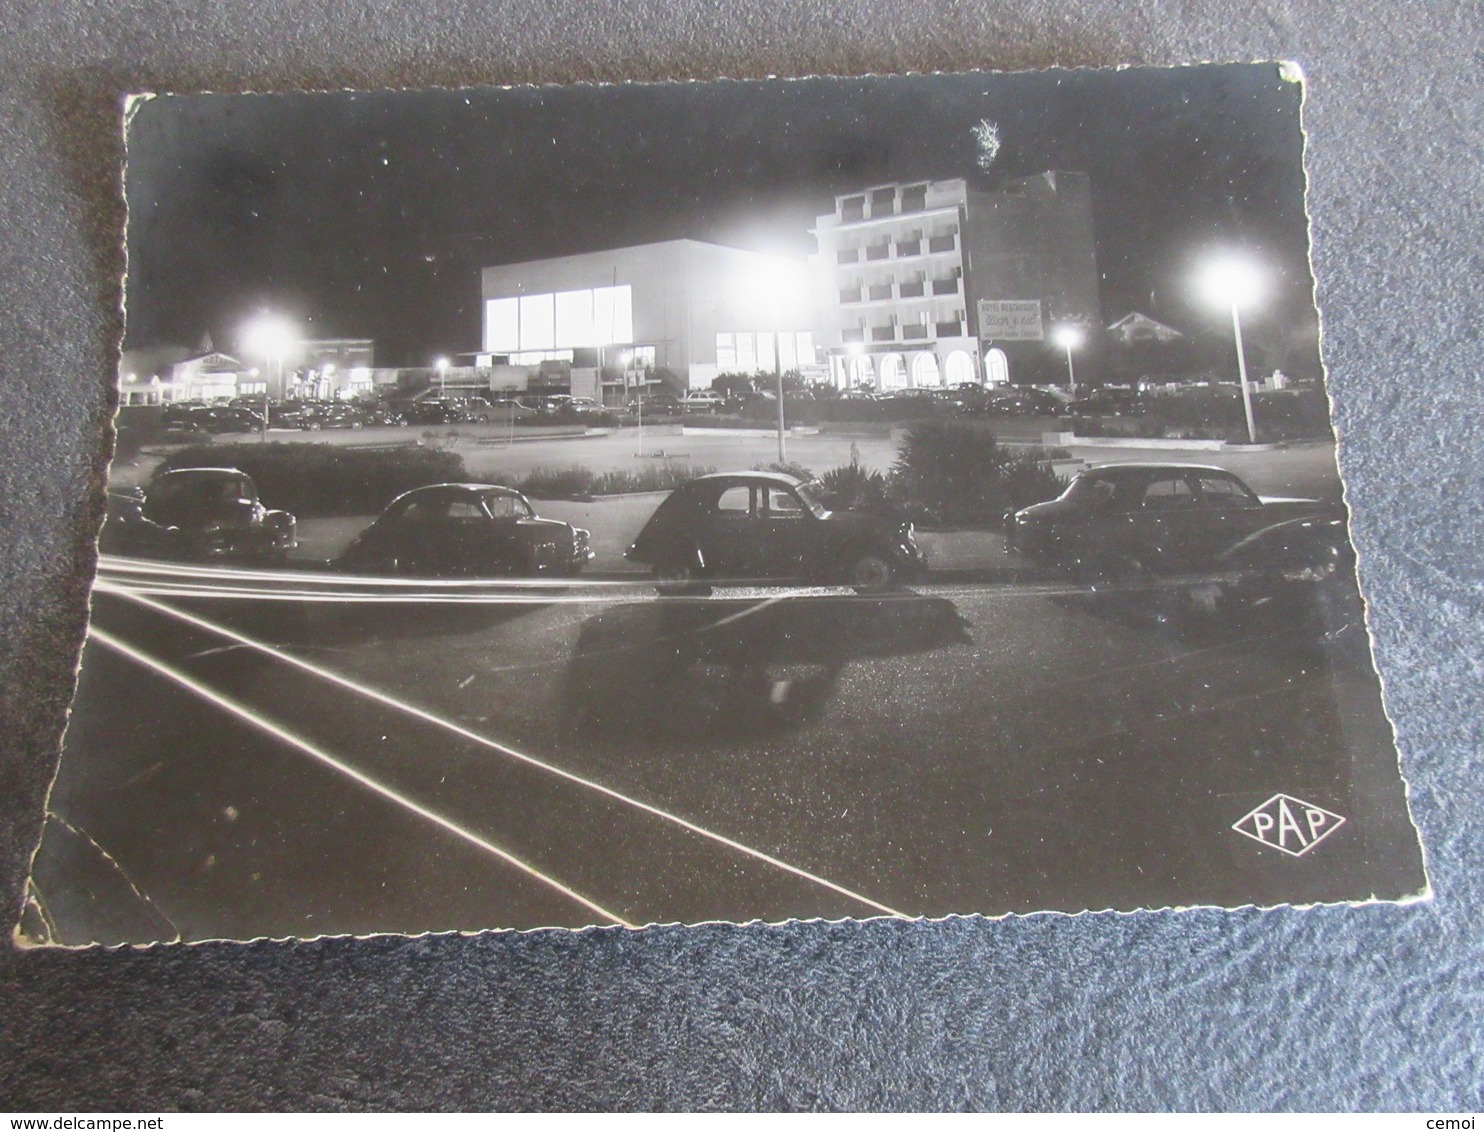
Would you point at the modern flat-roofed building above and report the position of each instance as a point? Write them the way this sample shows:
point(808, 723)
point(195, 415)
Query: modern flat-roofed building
point(693, 309)
point(934, 283)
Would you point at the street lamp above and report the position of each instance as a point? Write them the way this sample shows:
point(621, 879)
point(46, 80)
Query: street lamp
point(1068, 338)
point(441, 365)
point(776, 285)
point(1234, 283)
point(270, 337)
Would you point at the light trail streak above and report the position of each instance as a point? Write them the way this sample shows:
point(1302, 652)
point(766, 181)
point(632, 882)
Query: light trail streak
point(247, 715)
point(509, 752)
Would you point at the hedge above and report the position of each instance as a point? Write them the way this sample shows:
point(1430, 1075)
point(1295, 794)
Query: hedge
point(325, 479)
point(959, 473)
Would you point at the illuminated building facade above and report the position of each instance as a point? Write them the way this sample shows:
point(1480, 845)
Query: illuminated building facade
point(620, 316)
point(934, 283)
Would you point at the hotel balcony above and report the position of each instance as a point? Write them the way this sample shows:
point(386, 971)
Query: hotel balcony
point(848, 255)
point(878, 292)
point(913, 290)
point(942, 243)
point(852, 334)
point(850, 295)
point(883, 333)
point(908, 247)
point(951, 330)
point(911, 331)
point(945, 286)
point(878, 251)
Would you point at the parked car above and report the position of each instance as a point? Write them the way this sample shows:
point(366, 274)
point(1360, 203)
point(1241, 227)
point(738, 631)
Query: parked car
point(1025, 402)
point(662, 403)
point(432, 412)
point(466, 530)
point(703, 401)
point(197, 514)
point(1109, 403)
point(339, 415)
point(770, 525)
point(293, 414)
point(1122, 520)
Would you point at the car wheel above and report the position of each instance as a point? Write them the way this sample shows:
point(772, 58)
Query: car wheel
point(872, 572)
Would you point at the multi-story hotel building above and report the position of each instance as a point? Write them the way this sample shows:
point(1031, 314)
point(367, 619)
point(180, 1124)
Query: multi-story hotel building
point(933, 283)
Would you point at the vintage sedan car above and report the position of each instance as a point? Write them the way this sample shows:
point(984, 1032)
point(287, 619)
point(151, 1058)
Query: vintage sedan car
point(466, 530)
point(769, 525)
point(1123, 520)
point(197, 514)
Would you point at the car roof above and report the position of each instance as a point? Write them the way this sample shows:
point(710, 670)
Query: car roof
point(780, 478)
point(200, 471)
point(1132, 469)
point(480, 487)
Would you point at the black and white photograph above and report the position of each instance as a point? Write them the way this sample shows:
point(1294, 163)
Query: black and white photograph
point(835, 498)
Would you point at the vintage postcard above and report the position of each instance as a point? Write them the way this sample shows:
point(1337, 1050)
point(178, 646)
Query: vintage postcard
point(617, 505)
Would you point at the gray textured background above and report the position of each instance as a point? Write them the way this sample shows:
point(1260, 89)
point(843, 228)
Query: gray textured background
point(1330, 1008)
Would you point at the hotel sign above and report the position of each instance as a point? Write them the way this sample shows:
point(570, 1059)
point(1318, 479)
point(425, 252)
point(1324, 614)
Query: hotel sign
point(1010, 320)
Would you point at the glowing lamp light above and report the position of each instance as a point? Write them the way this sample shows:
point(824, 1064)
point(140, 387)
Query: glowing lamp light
point(1230, 282)
point(1067, 337)
point(269, 336)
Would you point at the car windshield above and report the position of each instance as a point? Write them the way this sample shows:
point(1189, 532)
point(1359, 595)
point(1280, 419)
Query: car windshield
point(809, 493)
point(1089, 489)
point(503, 505)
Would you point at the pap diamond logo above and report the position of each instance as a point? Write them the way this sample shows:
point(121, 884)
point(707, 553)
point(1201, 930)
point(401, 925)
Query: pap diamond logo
point(1289, 824)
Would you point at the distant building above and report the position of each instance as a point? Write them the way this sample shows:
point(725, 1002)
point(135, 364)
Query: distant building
point(146, 378)
point(613, 319)
point(327, 368)
point(1137, 327)
point(934, 283)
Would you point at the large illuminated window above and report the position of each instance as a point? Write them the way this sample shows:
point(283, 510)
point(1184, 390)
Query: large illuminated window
point(747, 351)
point(574, 318)
point(502, 325)
point(564, 320)
point(537, 322)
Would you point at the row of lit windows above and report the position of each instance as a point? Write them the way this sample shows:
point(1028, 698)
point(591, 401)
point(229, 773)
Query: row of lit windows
point(563, 320)
point(745, 352)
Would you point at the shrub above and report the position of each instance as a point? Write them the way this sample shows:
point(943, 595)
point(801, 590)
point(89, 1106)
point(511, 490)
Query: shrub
point(577, 482)
point(325, 479)
point(851, 487)
point(961, 474)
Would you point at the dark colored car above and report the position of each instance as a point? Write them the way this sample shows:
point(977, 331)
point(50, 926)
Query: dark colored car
point(434, 413)
point(1109, 403)
point(1012, 402)
point(769, 525)
point(198, 514)
point(466, 530)
point(660, 404)
point(293, 414)
point(339, 415)
point(1123, 520)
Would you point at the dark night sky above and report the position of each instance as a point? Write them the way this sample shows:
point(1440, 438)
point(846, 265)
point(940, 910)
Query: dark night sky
point(370, 215)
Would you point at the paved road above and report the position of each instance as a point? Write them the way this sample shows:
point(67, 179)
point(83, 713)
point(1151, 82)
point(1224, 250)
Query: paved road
point(594, 755)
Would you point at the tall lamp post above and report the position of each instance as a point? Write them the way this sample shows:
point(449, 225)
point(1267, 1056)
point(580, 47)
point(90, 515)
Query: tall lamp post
point(1068, 338)
point(441, 365)
point(1235, 283)
point(270, 337)
point(778, 285)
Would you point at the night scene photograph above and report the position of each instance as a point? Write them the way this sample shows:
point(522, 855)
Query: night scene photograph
point(553, 507)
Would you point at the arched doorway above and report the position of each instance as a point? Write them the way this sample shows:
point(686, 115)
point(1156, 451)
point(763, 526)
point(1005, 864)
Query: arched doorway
point(996, 367)
point(925, 374)
point(893, 372)
point(959, 368)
